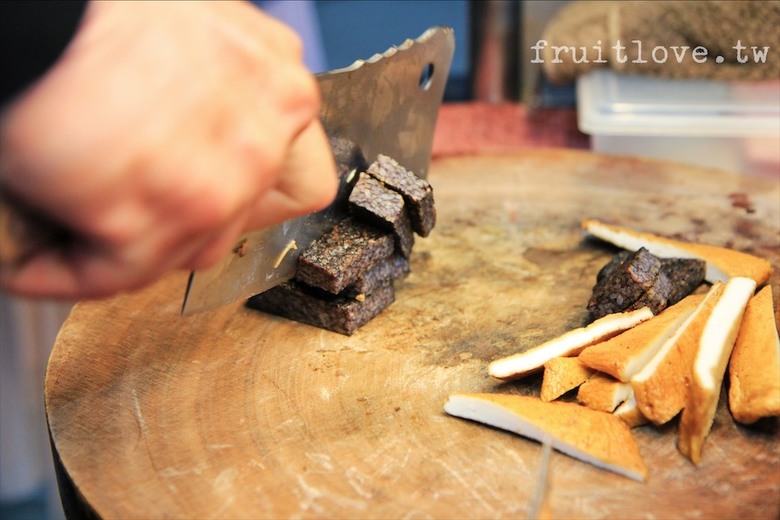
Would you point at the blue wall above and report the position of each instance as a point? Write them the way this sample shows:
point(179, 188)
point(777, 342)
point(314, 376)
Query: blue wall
point(358, 29)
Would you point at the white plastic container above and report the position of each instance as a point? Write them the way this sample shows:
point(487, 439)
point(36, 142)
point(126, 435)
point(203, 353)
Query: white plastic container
point(730, 126)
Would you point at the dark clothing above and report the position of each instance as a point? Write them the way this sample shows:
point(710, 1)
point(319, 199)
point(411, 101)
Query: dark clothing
point(33, 35)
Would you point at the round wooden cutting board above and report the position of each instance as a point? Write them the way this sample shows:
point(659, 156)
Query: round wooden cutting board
point(237, 414)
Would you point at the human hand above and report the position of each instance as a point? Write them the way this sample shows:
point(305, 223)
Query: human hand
point(164, 131)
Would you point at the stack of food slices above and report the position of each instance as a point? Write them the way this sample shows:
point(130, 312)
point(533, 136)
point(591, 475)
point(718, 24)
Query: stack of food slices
point(347, 277)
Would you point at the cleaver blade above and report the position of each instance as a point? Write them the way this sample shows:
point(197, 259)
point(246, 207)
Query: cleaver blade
point(387, 104)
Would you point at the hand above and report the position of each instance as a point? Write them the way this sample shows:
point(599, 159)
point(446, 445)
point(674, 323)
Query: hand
point(165, 131)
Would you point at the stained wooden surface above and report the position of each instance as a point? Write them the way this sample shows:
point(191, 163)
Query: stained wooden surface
point(236, 414)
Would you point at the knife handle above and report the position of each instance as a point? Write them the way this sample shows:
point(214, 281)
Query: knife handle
point(24, 232)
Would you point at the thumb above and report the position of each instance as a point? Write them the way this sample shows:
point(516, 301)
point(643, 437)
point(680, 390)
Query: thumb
point(307, 181)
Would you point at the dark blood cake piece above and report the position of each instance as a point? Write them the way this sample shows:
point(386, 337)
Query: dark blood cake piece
point(349, 161)
point(395, 267)
point(656, 296)
point(371, 202)
point(625, 284)
point(346, 277)
point(417, 193)
point(340, 314)
point(611, 266)
point(347, 155)
point(336, 259)
point(684, 274)
point(622, 278)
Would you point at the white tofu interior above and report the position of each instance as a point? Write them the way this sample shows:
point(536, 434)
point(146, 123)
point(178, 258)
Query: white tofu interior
point(485, 412)
point(650, 368)
point(638, 363)
point(565, 344)
point(720, 331)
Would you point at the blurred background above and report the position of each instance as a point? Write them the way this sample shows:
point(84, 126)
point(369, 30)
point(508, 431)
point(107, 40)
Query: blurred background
point(696, 120)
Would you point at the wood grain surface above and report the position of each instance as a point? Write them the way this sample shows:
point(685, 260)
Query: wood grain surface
point(237, 414)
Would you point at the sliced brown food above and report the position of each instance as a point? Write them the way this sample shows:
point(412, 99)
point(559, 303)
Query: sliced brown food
point(602, 392)
point(709, 366)
point(625, 355)
point(625, 283)
point(350, 267)
point(656, 296)
point(677, 278)
point(684, 274)
point(336, 259)
point(371, 202)
point(395, 267)
point(754, 368)
point(417, 193)
point(611, 266)
point(568, 344)
point(562, 374)
point(349, 160)
point(661, 387)
point(293, 301)
point(598, 438)
point(722, 263)
point(629, 413)
point(347, 155)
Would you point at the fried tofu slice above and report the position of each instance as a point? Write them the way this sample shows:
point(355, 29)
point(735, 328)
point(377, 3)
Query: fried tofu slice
point(661, 387)
point(602, 392)
point(709, 366)
point(595, 437)
point(625, 355)
point(629, 413)
point(754, 368)
point(722, 263)
point(562, 374)
point(569, 344)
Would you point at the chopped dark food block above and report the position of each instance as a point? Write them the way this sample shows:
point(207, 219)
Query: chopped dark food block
point(612, 265)
point(394, 267)
point(417, 193)
point(346, 277)
point(684, 274)
point(338, 314)
point(336, 259)
point(349, 160)
point(656, 296)
point(371, 202)
point(625, 284)
point(348, 156)
point(676, 279)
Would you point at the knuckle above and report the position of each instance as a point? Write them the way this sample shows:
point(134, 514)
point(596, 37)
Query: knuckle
point(304, 98)
point(290, 40)
point(295, 44)
point(313, 96)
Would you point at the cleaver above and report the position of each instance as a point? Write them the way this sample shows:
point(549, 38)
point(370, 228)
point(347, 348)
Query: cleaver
point(387, 104)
